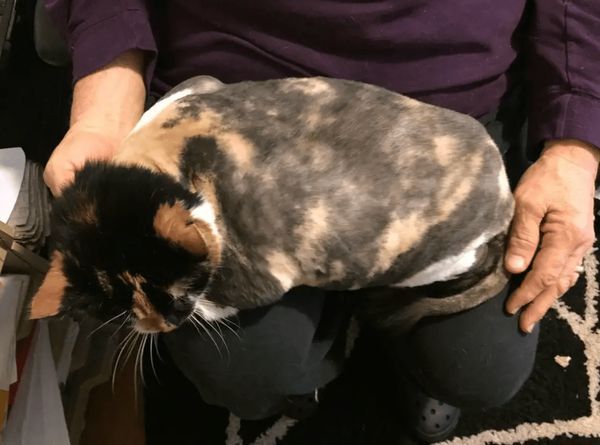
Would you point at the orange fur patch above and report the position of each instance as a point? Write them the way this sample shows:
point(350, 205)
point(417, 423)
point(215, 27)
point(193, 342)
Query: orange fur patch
point(48, 299)
point(175, 224)
point(158, 148)
point(148, 318)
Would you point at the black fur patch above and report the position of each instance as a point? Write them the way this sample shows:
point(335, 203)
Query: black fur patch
point(121, 240)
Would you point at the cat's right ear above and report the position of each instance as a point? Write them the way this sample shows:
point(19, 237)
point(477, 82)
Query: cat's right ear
point(175, 223)
point(47, 301)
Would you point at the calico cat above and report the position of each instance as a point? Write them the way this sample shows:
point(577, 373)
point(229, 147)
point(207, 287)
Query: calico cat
point(224, 197)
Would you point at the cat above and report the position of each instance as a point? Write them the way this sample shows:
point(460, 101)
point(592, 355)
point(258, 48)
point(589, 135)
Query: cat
point(224, 197)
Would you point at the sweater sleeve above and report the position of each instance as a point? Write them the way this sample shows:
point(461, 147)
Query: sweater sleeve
point(97, 31)
point(564, 71)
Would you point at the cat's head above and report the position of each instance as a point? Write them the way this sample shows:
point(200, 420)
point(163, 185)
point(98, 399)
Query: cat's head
point(127, 243)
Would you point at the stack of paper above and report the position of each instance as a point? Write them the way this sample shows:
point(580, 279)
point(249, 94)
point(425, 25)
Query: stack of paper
point(25, 199)
point(12, 169)
point(37, 417)
point(31, 218)
point(13, 289)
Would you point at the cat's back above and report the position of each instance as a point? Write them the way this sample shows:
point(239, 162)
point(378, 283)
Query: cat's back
point(336, 126)
point(398, 182)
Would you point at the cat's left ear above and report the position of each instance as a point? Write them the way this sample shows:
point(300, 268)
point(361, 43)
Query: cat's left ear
point(48, 299)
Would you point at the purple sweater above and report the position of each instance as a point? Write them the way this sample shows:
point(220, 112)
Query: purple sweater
point(453, 54)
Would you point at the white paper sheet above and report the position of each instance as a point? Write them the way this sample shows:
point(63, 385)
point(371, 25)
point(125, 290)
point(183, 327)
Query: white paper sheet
point(63, 363)
point(13, 289)
point(12, 168)
point(37, 416)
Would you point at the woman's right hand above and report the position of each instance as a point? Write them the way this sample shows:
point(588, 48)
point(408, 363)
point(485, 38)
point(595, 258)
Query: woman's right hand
point(106, 106)
point(80, 144)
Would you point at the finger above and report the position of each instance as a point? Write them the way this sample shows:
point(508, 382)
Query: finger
point(58, 180)
point(540, 303)
point(547, 268)
point(524, 237)
point(573, 268)
point(50, 181)
point(574, 278)
point(536, 310)
point(574, 264)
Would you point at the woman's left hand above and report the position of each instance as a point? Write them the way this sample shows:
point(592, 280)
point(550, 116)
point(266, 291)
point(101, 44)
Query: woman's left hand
point(554, 210)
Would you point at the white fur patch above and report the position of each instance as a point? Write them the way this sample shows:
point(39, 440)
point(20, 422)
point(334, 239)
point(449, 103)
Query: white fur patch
point(177, 290)
point(159, 107)
point(503, 184)
point(449, 267)
point(283, 268)
point(210, 311)
point(206, 213)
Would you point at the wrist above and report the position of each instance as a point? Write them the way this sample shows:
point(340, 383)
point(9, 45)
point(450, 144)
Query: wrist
point(580, 153)
point(111, 100)
point(98, 133)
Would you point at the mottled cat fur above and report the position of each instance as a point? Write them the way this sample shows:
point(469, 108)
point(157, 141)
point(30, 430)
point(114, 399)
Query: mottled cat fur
point(224, 197)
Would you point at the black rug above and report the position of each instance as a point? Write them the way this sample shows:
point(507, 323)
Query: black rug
point(559, 405)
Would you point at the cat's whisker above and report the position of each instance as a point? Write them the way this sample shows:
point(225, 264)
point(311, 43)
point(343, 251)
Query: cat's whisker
point(201, 325)
point(230, 322)
point(157, 348)
point(140, 337)
point(131, 347)
point(207, 303)
point(152, 347)
point(105, 323)
point(120, 349)
point(120, 326)
point(223, 323)
point(193, 321)
point(126, 341)
point(217, 330)
point(147, 338)
point(140, 357)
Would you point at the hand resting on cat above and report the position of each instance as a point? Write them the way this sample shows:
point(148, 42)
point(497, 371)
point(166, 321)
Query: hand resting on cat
point(224, 197)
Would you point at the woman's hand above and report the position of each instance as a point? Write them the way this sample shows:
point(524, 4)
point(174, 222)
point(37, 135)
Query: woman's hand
point(78, 146)
point(106, 106)
point(554, 209)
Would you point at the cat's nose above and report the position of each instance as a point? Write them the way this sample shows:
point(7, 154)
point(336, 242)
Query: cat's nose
point(181, 310)
point(177, 318)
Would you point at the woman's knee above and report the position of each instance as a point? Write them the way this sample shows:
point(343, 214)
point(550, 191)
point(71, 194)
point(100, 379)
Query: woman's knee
point(478, 358)
point(272, 355)
point(477, 387)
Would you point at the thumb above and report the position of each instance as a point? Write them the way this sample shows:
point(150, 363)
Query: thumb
point(57, 178)
point(523, 239)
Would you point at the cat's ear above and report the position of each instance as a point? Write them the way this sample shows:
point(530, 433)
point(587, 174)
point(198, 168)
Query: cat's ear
point(175, 223)
point(48, 299)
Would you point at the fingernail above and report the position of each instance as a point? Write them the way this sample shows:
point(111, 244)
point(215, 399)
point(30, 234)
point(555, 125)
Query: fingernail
point(516, 262)
point(529, 329)
point(512, 310)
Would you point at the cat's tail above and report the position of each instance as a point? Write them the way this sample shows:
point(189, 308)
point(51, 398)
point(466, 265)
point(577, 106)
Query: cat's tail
point(397, 310)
